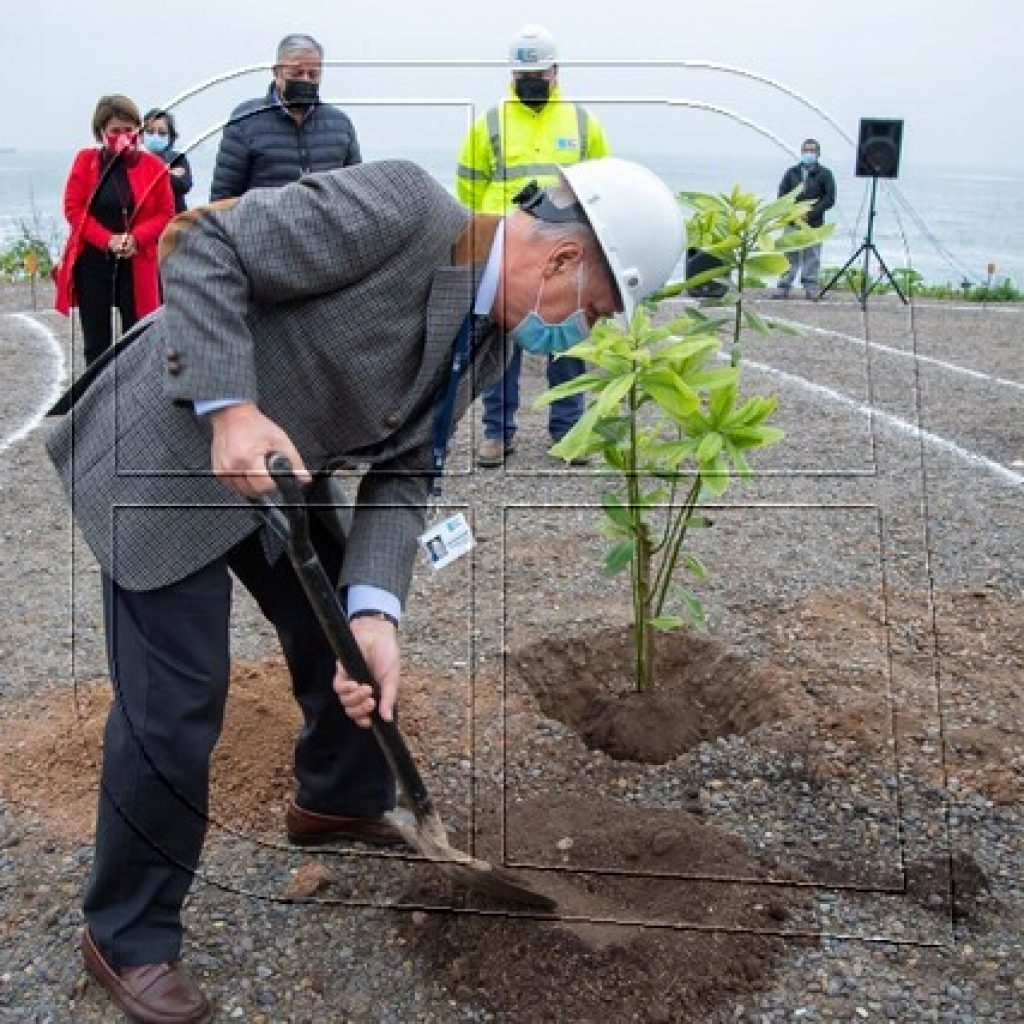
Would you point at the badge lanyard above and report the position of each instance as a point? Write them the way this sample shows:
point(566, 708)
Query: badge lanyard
point(446, 407)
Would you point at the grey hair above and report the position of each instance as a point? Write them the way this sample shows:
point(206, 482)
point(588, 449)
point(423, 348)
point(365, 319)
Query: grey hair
point(297, 42)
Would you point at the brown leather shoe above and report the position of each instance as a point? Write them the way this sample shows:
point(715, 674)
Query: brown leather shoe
point(150, 994)
point(306, 828)
point(493, 452)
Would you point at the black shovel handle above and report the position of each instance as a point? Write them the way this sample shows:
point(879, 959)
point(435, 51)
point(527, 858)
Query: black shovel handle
point(290, 522)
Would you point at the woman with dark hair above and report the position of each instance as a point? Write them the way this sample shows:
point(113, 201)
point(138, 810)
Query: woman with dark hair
point(159, 134)
point(117, 201)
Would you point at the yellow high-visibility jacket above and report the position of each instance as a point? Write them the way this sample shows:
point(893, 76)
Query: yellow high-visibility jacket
point(512, 145)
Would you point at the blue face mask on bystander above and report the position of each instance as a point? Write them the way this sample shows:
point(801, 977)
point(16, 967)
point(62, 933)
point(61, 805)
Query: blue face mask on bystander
point(155, 143)
point(534, 334)
point(808, 159)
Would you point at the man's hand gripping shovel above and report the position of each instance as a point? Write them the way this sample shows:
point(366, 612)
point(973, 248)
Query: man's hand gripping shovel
point(423, 830)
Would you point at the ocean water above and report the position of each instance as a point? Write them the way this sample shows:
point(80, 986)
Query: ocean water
point(947, 223)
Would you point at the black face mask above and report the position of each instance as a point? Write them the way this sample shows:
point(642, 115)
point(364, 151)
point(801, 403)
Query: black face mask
point(534, 92)
point(300, 93)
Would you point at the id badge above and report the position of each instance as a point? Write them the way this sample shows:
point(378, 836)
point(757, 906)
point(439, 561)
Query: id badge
point(446, 541)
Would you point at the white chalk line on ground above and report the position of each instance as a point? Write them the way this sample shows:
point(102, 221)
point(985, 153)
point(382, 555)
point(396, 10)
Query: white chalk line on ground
point(1016, 385)
point(57, 378)
point(897, 424)
point(904, 354)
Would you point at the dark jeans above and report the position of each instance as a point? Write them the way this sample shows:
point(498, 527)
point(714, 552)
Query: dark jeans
point(501, 400)
point(101, 284)
point(169, 662)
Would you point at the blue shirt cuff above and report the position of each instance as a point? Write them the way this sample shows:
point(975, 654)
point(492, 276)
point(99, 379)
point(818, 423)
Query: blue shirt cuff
point(364, 597)
point(205, 406)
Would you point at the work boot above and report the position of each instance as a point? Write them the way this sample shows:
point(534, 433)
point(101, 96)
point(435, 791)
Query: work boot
point(493, 451)
point(781, 293)
point(812, 292)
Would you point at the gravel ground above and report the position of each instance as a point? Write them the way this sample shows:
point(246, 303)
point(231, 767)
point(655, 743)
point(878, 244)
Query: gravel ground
point(861, 546)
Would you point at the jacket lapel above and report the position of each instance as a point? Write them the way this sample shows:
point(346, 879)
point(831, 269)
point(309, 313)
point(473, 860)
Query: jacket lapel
point(452, 294)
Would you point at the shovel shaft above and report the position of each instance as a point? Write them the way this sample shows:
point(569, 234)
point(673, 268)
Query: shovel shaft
point(291, 523)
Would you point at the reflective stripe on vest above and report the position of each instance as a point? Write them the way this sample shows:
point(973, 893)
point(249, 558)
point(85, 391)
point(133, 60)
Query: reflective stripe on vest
point(526, 170)
point(581, 130)
point(471, 174)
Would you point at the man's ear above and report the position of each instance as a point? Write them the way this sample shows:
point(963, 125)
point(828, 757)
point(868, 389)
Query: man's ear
point(567, 256)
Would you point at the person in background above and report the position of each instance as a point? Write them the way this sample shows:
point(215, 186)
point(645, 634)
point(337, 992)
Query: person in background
point(159, 134)
point(117, 201)
point(276, 139)
point(523, 139)
point(817, 185)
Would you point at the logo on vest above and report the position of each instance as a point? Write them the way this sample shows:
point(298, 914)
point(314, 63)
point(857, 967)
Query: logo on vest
point(567, 143)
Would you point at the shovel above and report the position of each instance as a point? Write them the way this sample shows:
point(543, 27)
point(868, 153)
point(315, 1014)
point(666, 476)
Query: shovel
point(424, 831)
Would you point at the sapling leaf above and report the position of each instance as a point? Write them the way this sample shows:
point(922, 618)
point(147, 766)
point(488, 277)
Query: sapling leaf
point(670, 392)
point(668, 291)
point(653, 498)
point(738, 460)
point(692, 603)
point(757, 323)
point(618, 558)
point(666, 623)
point(721, 402)
point(575, 442)
point(673, 452)
point(767, 263)
point(715, 477)
point(695, 565)
point(754, 437)
point(713, 380)
point(616, 511)
point(713, 274)
point(584, 382)
point(710, 446)
point(686, 349)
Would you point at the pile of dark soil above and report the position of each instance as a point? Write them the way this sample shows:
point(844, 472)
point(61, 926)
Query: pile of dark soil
point(628, 947)
point(702, 691)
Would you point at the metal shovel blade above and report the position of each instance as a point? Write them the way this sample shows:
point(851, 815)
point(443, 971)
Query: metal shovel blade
point(428, 838)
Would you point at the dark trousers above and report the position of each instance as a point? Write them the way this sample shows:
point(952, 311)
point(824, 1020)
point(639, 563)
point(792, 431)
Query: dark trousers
point(169, 663)
point(501, 400)
point(101, 284)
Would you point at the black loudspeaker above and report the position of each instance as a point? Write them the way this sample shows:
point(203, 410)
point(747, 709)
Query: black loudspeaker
point(878, 148)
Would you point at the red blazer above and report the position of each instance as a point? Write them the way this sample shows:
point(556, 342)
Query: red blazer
point(154, 207)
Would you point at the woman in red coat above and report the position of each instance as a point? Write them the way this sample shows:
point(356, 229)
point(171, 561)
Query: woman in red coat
point(117, 201)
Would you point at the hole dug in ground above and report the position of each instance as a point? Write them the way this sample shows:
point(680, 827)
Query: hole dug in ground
point(702, 691)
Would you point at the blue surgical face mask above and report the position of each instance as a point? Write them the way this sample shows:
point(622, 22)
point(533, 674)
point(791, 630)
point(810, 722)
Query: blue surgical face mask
point(534, 334)
point(155, 143)
point(808, 159)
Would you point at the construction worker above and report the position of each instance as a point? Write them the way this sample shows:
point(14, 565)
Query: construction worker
point(523, 139)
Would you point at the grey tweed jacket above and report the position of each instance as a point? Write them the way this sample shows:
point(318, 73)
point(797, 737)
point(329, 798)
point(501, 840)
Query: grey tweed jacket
point(332, 303)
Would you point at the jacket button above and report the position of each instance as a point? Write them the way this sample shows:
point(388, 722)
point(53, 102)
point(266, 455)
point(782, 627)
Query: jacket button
point(393, 421)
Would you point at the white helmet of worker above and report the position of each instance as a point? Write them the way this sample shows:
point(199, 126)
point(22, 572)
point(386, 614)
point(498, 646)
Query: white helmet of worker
point(637, 221)
point(533, 49)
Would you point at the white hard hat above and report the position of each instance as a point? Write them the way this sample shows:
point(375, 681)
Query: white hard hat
point(637, 220)
point(533, 49)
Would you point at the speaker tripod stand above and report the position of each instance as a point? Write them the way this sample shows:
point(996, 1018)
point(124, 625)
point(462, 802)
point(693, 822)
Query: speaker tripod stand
point(867, 249)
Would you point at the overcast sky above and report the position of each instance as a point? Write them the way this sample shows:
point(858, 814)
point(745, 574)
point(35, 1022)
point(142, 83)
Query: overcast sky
point(950, 68)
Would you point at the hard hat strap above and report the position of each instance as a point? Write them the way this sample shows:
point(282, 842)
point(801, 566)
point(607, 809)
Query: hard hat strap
point(535, 201)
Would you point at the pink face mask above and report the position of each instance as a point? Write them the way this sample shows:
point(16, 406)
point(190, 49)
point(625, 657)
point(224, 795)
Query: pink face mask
point(118, 142)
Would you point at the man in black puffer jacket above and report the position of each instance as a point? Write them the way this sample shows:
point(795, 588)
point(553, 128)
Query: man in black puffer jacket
point(276, 139)
point(819, 186)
